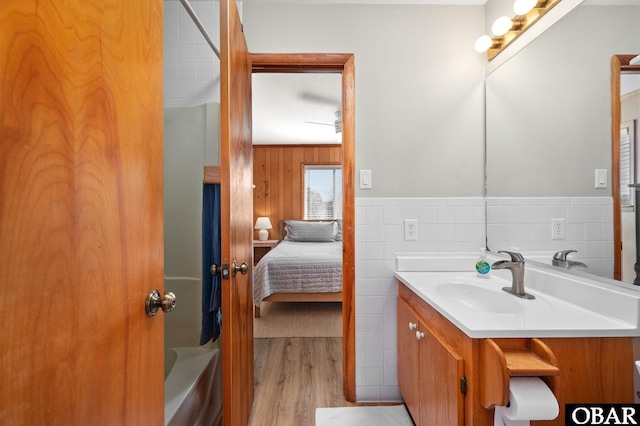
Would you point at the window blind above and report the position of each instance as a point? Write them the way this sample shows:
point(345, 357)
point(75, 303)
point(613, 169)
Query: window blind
point(323, 192)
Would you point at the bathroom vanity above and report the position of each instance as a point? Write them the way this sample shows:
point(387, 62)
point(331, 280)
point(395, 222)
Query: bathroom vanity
point(460, 341)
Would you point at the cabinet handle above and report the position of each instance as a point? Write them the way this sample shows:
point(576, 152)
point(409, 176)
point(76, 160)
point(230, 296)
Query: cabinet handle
point(419, 335)
point(412, 325)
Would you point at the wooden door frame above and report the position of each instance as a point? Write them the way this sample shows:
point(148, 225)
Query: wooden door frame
point(345, 64)
point(619, 63)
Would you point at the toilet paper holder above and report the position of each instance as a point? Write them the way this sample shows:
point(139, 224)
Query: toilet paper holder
point(500, 360)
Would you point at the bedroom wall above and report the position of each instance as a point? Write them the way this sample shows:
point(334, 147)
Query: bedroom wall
point(279, 181)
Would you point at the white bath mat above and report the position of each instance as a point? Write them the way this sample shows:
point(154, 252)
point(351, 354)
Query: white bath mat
point(393, 415)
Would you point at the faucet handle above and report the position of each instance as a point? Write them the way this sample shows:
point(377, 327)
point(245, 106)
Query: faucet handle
point(562, 255)
point(515, 257)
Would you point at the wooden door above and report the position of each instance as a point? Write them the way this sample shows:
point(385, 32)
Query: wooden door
point(237, 216)
point(409, 359)
point(81, 212)
point(441, 370)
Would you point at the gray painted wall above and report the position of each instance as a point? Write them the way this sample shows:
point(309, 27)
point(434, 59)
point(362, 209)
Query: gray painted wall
point(419, 87)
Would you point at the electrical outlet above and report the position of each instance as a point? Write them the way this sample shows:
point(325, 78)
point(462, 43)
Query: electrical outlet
point(557, 229)
point(411, 229)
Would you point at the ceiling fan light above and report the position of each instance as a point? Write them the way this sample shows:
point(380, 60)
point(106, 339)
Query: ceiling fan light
point(483, 43)
point(522, 7)
point(501, 26)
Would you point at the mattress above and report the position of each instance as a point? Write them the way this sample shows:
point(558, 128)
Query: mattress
point(299, 267)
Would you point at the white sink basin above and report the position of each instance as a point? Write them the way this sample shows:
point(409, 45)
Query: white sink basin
point(480, 308)
point(480, 298)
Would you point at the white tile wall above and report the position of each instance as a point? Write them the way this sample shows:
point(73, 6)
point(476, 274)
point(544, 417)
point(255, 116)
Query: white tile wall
point(525, 225)
point(444, 224)
point(191, 69)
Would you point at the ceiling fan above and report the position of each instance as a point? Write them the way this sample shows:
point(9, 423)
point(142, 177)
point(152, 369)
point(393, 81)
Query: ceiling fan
point(337, 122)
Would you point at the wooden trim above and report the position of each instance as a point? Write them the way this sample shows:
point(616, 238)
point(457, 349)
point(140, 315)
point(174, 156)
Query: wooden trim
point(299, 62)
point(300, 297)
point(345, 63)
point(615, 166)
point(212, 174)
point(348, 230)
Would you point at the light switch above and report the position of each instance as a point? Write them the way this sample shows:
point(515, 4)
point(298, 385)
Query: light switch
point(601, 178)
point(365, 179)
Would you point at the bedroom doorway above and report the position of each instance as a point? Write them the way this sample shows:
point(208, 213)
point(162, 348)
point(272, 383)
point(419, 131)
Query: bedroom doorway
point(342, 119)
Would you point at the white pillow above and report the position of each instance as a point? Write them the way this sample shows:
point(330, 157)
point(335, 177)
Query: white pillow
point(304, 231)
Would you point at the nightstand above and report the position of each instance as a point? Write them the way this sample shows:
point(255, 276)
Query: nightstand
point(260, 248)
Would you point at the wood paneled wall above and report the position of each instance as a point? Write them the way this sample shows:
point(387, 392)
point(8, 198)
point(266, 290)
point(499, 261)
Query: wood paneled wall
point(279, 179)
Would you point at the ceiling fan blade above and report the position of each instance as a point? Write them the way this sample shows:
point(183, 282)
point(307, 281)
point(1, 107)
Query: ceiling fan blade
point(320, 99)
point(322, 124)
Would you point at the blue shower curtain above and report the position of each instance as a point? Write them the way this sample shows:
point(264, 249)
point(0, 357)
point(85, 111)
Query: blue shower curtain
point(211, 253)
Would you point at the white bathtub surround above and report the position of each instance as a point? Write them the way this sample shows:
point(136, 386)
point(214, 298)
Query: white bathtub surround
point(524, 224)
point(444, 224)
point(191, 69)
point(192, 386)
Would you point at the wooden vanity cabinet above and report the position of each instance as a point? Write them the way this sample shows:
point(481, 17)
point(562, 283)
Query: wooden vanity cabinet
point(430, 373)
point(597, 370)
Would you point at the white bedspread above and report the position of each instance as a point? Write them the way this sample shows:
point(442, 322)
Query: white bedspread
point(298, 267)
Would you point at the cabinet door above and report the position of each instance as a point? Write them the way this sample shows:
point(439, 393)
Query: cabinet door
point(408, 359)
point(441, 370)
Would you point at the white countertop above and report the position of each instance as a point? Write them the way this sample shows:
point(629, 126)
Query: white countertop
point(564, 306)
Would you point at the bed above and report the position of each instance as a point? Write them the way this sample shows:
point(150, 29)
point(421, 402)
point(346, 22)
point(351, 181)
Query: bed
point(304, 267)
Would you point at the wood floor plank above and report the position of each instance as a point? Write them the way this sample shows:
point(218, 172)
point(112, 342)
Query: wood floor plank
point(293, 377)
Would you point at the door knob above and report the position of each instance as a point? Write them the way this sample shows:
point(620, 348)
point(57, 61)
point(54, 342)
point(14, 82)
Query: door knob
point(243, 269)
point(155, 302)
point(215, 269)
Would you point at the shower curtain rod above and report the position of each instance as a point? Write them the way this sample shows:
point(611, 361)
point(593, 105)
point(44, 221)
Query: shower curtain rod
point(198, 23)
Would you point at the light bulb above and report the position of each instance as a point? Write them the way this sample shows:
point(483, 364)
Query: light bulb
point(522, 7)
point(483, 43)
point(501, 26)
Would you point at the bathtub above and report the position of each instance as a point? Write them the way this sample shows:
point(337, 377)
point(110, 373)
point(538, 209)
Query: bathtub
point(192, 386)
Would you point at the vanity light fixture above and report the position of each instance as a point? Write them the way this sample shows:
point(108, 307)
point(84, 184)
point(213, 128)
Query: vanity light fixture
point(506, 29)
point(501, 26)
point(522, 7)
point(483, 43)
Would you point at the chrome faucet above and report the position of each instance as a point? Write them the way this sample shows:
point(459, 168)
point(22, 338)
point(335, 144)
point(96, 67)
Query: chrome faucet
point(560, 260)
point(516, 266)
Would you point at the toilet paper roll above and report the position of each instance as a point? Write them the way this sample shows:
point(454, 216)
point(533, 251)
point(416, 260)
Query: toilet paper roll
point(500, 420)
point(529, 399)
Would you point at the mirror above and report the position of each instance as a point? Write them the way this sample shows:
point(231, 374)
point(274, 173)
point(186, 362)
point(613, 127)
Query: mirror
point(548, 132)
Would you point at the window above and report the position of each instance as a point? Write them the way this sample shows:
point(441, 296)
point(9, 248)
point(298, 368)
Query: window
point(323, 192)
point(627, 164)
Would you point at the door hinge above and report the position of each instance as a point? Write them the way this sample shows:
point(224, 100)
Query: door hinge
point(463, 385)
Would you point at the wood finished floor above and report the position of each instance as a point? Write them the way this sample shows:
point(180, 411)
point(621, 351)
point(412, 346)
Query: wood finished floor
point(293, 377)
